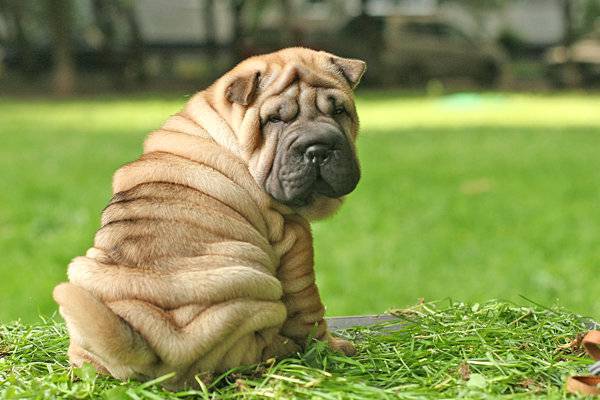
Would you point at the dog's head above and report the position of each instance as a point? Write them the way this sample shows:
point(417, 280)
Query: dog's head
point(295, 121)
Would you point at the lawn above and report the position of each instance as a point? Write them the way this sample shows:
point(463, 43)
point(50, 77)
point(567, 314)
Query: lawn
point(463, 196)
point(444, 350)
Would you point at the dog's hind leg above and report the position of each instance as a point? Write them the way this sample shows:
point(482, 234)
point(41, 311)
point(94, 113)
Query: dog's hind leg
point(100, 337)
point(79, 356)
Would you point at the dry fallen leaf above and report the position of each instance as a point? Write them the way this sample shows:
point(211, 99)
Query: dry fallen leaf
point(464, 371)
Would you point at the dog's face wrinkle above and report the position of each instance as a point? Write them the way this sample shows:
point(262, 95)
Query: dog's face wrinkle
point(304, 117)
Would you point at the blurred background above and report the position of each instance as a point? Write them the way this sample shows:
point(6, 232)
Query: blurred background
point(82, 46)
point(479, 144)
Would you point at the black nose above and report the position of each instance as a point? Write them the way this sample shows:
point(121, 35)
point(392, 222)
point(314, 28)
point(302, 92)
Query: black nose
point(318, 153)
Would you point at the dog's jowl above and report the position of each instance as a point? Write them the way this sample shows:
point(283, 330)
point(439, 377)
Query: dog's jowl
point(204, 259)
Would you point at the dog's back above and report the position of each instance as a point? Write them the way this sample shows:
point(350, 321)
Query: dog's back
point(159, 223)
point(178, 279)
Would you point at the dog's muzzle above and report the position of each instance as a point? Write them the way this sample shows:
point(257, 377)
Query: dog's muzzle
point(312, 160)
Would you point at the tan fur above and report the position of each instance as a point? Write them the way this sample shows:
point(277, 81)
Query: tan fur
point(196, 268)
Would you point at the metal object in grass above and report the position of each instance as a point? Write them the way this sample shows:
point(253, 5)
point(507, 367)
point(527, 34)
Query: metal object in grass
point(355, 321)
point(595, 368)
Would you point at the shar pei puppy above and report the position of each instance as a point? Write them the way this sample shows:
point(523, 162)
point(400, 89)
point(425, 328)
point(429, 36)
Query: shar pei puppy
point(204, 258)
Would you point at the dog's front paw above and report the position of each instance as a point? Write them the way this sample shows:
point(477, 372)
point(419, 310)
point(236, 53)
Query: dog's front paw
point(342, 346)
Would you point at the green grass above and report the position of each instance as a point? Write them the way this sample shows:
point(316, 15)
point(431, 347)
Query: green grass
point(443, 350)
point(464, 196)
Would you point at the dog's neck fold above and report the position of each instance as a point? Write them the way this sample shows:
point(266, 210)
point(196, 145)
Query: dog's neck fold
point(200, 133)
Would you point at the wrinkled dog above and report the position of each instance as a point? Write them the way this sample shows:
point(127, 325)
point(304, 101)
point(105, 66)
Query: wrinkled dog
point(204, 260)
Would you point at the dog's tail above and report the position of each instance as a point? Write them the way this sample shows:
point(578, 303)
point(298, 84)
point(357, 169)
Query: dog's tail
point(95, 330)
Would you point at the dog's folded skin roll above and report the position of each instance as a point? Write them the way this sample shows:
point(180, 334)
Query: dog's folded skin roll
point(204, 261)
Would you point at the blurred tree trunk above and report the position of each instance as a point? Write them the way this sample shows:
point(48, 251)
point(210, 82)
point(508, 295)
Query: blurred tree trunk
point(105, 23)
point(123, 66)
point(568, 21)
point(363, 6)
point(287, 22)
point(12, 10)
point(137, 50)
point(60, 22)
point(237, 44)
point(208, 18)
point(210, 40)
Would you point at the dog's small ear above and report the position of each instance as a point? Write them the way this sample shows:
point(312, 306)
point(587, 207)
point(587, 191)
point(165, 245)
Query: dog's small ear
point(351, 68)
point(243, 89)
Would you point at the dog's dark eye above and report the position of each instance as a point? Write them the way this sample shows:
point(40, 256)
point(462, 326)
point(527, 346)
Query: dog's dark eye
point(339, 110)
point(274, 118)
